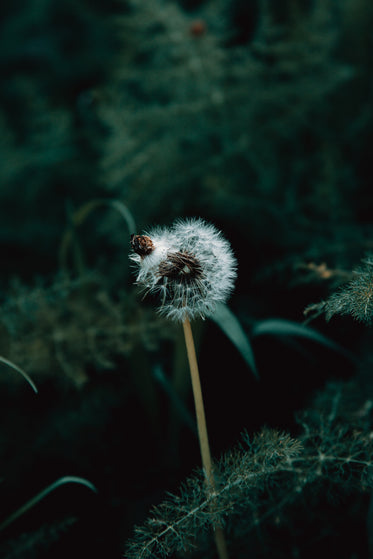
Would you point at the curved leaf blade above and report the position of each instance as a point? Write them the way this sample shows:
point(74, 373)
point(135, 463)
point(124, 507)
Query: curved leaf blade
point(232, 328)
point(20, 371)
point(283, 327)
point(44, 493)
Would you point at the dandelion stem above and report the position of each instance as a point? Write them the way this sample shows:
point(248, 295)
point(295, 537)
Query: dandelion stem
point(202, 429)
point(198, 401)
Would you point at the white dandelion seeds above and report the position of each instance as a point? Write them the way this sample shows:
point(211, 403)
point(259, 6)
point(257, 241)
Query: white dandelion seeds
point(191, 266)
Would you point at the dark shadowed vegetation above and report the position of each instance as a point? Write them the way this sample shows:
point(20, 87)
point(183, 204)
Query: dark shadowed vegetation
point(119, 116)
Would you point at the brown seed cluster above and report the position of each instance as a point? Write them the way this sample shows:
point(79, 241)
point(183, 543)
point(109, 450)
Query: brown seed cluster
point(180, 265)
point(142, 245)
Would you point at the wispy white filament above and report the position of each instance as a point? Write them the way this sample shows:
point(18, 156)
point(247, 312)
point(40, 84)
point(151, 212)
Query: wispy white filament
point(192, 290)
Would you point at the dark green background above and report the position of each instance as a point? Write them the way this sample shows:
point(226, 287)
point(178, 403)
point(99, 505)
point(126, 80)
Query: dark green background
point(254, 115)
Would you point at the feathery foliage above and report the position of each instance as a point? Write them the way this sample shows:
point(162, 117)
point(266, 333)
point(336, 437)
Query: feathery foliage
point(354, 298)
point(262, 477)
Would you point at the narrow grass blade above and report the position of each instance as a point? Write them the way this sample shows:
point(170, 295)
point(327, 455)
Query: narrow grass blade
point(126, 214)
point(44, 493)
point(231, 327)
point(84, 211)
point(79, 216)
point(20, 371)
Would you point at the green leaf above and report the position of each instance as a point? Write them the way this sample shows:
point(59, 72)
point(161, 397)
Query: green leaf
point(19, 370)
point(232, 328)
point(282, 327)
point(42, 494)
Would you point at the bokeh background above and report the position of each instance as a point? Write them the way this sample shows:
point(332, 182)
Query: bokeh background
point(119, 115)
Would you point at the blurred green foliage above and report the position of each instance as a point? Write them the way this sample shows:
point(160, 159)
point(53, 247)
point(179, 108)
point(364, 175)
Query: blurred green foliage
point(257, 116)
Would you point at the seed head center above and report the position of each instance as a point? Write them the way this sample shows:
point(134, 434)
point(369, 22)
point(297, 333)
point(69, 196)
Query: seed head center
point(180, 265)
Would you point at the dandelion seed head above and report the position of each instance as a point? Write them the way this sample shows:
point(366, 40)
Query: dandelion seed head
point(191, 268)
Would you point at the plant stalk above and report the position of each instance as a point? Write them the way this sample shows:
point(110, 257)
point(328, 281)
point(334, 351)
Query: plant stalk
point(202, 430)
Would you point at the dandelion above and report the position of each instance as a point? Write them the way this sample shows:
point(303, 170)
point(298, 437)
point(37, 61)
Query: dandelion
point(192, 268)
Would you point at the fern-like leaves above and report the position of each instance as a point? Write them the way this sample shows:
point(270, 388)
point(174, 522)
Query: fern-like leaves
point(263, 475)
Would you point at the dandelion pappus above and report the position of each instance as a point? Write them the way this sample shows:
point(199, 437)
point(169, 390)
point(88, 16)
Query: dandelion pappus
point(190, 266)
